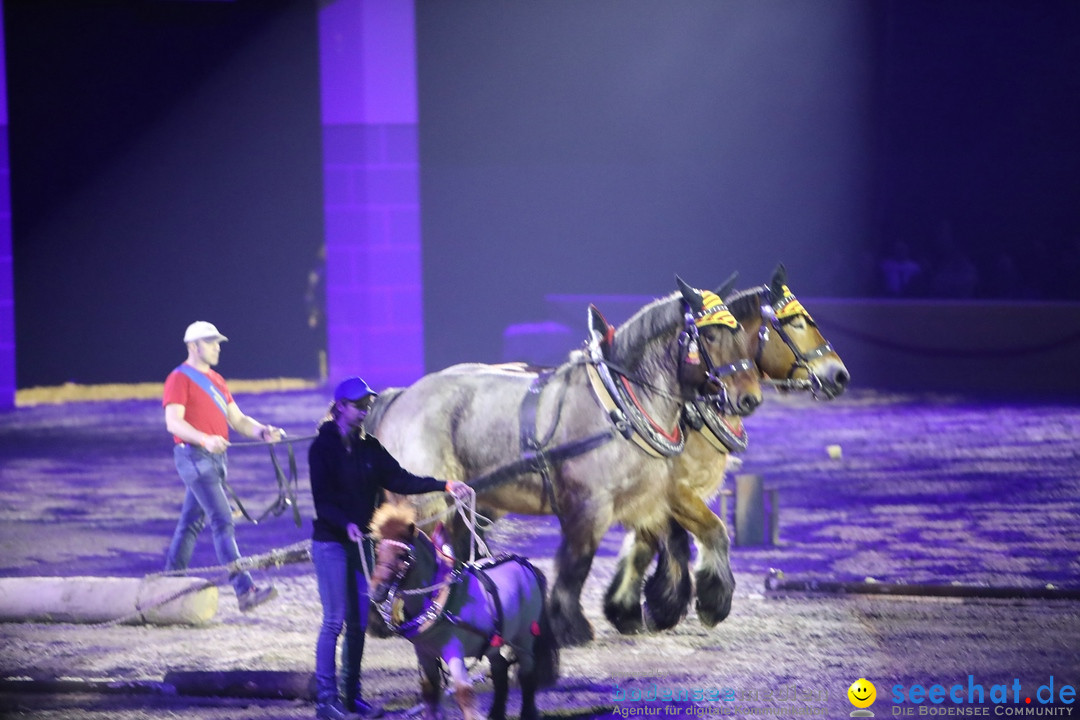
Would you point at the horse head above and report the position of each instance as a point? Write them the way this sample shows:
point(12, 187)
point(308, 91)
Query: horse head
point(791, 347)
point(716, 351)
point(394, 526)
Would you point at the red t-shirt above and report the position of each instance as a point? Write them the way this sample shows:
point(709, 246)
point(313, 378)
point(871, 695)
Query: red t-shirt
point(200, 410)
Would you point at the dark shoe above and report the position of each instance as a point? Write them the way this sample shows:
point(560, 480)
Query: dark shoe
point(256, 596)
point(333, 710)
point(364, 709)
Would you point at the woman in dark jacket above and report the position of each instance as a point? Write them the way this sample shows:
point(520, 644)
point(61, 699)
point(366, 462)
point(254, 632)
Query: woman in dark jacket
point(348, 467)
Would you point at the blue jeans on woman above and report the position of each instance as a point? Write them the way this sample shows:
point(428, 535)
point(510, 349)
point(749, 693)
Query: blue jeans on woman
point(203, 474)
point(343, 591)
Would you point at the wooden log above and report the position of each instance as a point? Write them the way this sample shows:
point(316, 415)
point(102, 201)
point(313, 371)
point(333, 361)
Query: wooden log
point(135, 601)
point(279, 684)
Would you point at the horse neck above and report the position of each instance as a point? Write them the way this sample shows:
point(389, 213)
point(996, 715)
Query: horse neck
point(647, 346)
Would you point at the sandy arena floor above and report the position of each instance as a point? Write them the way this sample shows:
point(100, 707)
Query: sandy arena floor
point(928, 490)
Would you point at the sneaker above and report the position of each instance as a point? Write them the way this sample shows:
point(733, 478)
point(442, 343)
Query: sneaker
point(333, 710)
point(364, 709)
point(256, 596)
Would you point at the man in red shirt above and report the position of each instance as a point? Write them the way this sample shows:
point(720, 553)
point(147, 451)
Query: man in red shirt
point(199, 410)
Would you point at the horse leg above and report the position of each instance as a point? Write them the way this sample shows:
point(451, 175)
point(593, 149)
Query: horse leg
point(622, 601)
point(430, 684)
point(463, 689)
point(715, 582)
point(528, 696)
point(581, 536)
point(500, 679)
point(669, 590)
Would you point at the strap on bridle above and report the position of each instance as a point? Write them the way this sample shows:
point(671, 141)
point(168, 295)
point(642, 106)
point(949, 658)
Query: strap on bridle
point(689, 342)
point(802, 359)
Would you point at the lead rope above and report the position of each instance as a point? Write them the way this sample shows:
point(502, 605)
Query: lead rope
point(466, 508)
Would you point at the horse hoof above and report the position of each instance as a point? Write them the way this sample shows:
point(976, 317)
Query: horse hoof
point(570, 634)
point(665, 603)
point(628, 624)
point(660, 621)
point(627, 619)
point(713, 598)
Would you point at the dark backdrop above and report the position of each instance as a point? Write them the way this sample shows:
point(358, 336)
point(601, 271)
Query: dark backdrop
point(166, 167)
point(602, 147)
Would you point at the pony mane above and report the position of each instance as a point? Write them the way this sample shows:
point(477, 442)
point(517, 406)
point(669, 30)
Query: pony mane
point(659, 316)
point(394, 521)
point(744, 304)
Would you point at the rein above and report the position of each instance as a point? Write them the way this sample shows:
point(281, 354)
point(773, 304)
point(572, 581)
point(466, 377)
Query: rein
point(287, 485)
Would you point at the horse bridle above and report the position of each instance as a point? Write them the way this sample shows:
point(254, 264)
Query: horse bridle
point(407, 562)
point(802, 359)
point(689, 344)
point(438, 594)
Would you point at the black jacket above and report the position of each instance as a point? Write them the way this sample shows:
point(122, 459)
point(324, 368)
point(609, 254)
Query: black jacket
point(345, 482)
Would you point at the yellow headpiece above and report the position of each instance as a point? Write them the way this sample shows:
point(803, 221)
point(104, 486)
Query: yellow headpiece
point(715, 312)
point(789, 306)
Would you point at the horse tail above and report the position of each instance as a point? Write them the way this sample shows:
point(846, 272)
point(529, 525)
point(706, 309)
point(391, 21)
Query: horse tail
point(546, 645)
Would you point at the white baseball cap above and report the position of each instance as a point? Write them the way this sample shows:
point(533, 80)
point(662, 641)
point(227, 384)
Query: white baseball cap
point(202, 330)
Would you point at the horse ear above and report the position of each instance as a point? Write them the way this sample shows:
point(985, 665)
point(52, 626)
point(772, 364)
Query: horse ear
point(724, 290)
point(600, 327)
point(597, 321)
point(691, 296)
point(778, 281)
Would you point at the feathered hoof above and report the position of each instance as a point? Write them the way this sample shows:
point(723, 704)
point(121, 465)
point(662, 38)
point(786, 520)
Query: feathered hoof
point(571, 631)
point(713, 598)
point(627, 619)
point(666, 605)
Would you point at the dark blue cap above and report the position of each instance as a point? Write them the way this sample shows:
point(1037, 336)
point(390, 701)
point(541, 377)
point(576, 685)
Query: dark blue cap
point(352, 389)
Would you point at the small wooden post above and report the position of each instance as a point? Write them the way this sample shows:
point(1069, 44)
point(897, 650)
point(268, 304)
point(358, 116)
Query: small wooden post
point(749, 510)
point(774, 515)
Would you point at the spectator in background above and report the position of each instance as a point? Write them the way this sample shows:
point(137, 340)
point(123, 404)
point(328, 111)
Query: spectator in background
point(954, 274)
point(901, 274)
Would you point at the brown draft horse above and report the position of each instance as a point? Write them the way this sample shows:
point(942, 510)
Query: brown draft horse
point(588, 441)
point(789, 347)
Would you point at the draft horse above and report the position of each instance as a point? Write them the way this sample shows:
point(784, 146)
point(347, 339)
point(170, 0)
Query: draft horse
point(588, 441)
point(790, 349)
point(494, 609)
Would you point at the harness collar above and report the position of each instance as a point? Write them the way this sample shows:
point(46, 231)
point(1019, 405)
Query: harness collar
point(622, 405)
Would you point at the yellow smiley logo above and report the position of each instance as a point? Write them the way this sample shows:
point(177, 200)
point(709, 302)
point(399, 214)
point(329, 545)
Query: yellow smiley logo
point(862, 693)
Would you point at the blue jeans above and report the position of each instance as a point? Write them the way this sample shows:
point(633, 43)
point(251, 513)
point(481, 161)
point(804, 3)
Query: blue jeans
point(203, 474)
point(343, 591)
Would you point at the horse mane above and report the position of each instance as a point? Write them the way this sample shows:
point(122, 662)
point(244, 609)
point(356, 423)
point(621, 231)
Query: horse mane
point(394, 521)
point(659, 316)
point(744, 304)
